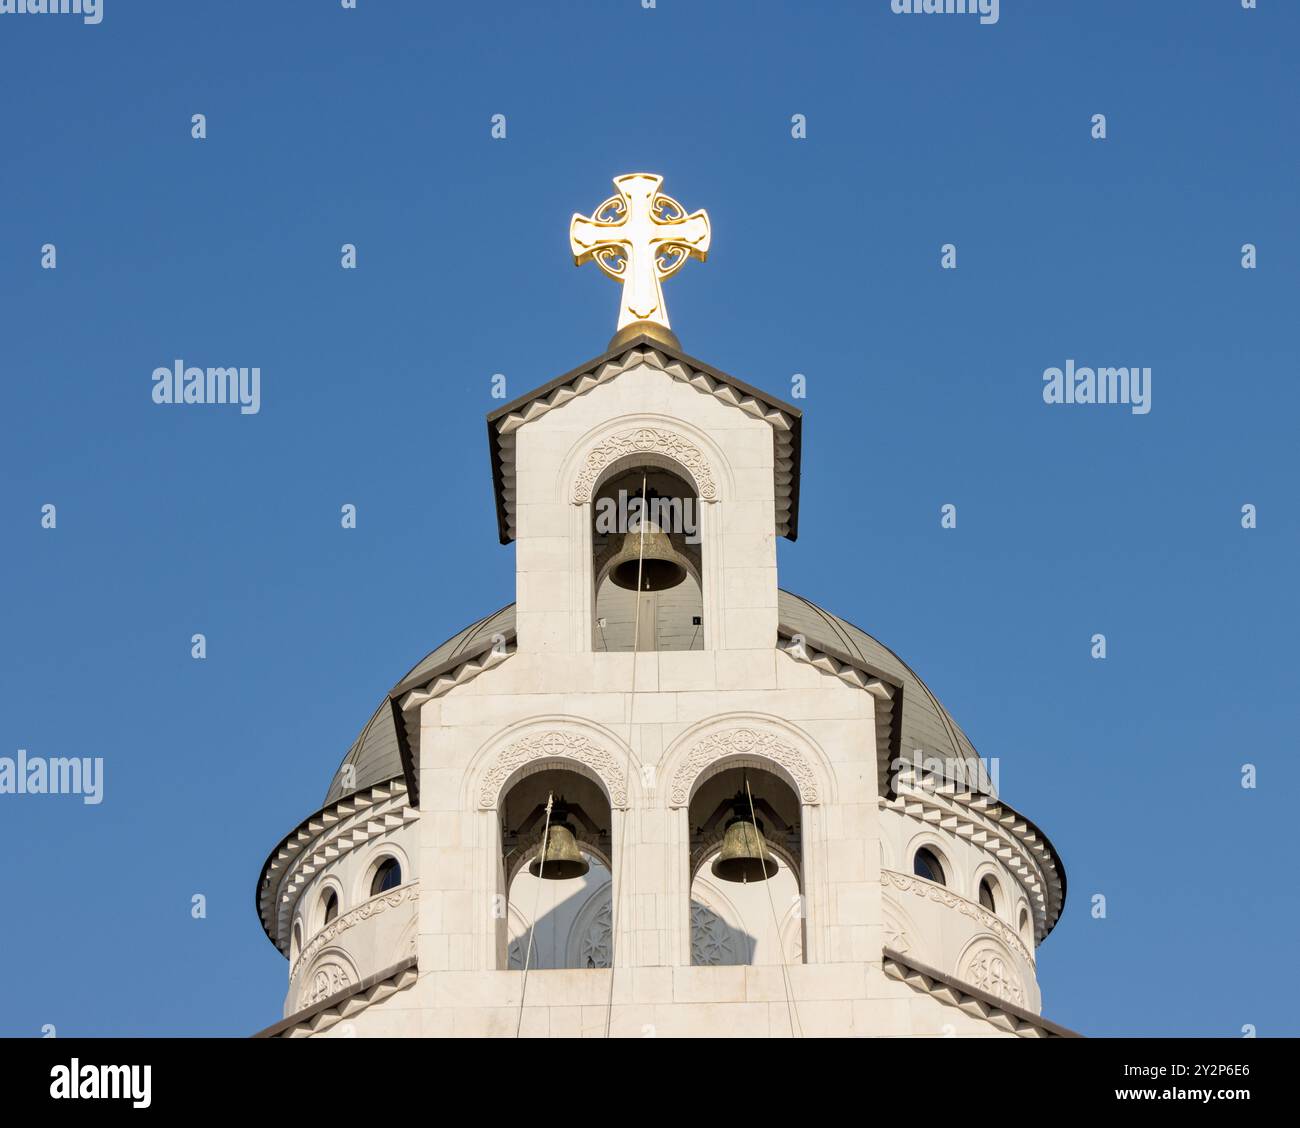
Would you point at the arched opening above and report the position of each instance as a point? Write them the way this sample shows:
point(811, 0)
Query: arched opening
point(988, 894)
point(646, 540)
point(329, 907)
point(1025, 927)
point(557, 872)
point(926, 864)
point(386, 875)
point(746, 870)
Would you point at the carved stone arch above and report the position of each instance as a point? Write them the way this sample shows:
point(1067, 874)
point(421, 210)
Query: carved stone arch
point(1004, 894)
point(591, 933)
point(747, 741)
point(988, 964)
point(901, 932)
point(517, 925)
point(374, 854)
point(790, 933)
point(314, 900)
point(954, 870)
point(408, 941)
point(657, 444)
point(559, 742)
point(887, 859)
point(332, 971)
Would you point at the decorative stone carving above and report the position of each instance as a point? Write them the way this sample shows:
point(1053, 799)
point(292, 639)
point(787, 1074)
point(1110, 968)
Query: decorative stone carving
point(895, 934)
point(597, 945)
point(986, 969)
point(553, 745)
point(928, 890)
point(743, 742)
point(712, 942)
point(363, 911)
point(328, 979)
point(645, 440)
point(1031, 859)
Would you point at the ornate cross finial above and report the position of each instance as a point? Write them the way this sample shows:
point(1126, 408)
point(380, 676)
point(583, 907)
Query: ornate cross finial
point(640, 237)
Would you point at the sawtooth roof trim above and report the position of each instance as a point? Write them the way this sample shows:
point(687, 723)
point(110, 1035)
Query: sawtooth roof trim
point(786, 421)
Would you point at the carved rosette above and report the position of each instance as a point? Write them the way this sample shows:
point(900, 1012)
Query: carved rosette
point(645, 440)
point(743, 742)
point(548, 746)
point(928, 890)
point(986, 969)
point(596, 948)
point(712, 941)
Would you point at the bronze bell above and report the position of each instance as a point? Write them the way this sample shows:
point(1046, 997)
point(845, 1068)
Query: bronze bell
point(744, 855)
point(662, 566)
point(563, 859)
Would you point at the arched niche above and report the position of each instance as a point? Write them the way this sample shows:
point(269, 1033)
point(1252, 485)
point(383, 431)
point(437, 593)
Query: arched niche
point(540, 811)
point(705, 767)
point(663, 447)
point(761, 910)
point(648, 561)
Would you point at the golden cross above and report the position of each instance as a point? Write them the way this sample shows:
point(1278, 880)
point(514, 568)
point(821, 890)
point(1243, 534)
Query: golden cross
point(640, 237)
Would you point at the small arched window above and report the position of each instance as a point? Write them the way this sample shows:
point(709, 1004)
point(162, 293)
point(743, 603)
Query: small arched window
point(988, 894)
point(926, 864)
point(329, 907)
point(388, 875)
point(1025, 930)
point(296, 946)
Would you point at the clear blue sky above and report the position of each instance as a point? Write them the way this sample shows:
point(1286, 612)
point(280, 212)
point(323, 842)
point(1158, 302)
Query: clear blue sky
point(371, 126)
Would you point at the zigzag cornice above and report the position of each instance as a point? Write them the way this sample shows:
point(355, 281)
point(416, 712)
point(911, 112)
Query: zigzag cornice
point(882, 691)
point(467, 671)
point(445, 682)
point(325, 837)
point(586, 380)
point(970, 1000)
point(979, 818)
point(320, 838)
point(403, 977)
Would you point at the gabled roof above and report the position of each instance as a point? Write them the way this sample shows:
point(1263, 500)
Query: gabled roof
point(786, 421)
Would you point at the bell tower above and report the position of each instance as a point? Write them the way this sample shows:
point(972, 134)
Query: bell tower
point(645, 459)
point(656, 792)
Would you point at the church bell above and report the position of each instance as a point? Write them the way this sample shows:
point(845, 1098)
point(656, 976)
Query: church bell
point(562, 859)
point(744, 855)
point(663, 565)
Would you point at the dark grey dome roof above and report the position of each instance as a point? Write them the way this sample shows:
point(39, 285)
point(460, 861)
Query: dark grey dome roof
point(925, 722)
point(374, 754)
point(926, 725)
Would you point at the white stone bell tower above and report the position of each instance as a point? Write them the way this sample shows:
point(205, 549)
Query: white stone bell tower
point(652, 719)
